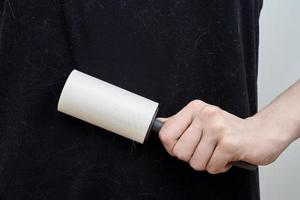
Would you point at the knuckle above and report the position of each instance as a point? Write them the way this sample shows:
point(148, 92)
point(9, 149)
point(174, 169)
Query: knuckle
point(163, 135)
point(196, 103)
point(211, 111)
point(212, 170)
point(197, 126)
point(176, 152)
point(181, 155)
point(218, 126)
point(196, 166)
point(229, 144)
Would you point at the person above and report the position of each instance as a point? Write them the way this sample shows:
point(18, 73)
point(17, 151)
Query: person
point(179, 53)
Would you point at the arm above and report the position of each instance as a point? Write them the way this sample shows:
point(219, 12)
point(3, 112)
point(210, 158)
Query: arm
point(284, 112)
point(209, 138)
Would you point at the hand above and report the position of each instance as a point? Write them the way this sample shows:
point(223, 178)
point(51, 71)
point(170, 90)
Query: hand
point(209, 138)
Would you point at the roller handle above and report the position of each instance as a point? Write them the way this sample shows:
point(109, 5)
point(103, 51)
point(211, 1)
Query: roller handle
point(241, 164)
point(156, 126)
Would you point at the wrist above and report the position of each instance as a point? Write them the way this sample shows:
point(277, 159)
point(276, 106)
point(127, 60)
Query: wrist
point(278, 126)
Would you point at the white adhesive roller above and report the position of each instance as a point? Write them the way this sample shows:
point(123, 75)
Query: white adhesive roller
point(112, 108)
point(107, 106)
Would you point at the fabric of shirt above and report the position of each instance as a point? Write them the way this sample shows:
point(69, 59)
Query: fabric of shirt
point(170, 51)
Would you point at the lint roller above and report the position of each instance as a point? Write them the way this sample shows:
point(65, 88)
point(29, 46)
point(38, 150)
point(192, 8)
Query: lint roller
point(112, 108)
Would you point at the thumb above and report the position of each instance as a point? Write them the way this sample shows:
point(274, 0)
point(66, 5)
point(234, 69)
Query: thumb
point(163, 119)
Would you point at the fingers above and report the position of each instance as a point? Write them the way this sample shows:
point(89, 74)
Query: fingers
point(187, 143)
point(176, 125)
point(219, 162)
point(203, 152)
point(174, 128)
point(196, 135)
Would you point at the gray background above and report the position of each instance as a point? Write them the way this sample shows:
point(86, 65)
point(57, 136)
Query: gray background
point(279, 67)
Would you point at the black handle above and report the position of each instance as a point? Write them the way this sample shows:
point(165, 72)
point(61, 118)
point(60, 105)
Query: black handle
point(157, 125)
point(241, 164)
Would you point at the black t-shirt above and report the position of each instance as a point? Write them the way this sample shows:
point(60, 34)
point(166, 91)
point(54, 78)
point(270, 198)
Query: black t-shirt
point(169, 51)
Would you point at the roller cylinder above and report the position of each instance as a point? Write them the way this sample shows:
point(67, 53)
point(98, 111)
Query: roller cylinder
point(107, 106)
